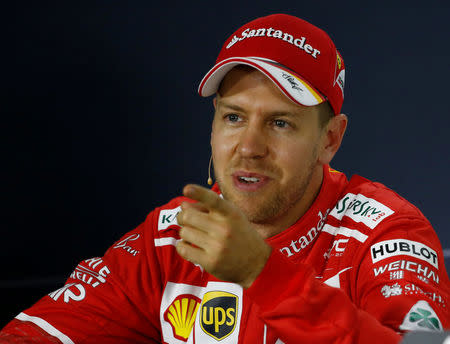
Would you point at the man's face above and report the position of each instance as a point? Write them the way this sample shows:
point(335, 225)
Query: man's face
point(265, 147)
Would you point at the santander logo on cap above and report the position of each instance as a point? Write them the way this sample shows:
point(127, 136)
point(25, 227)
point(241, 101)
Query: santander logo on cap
point(298, 57)
point(270, 32)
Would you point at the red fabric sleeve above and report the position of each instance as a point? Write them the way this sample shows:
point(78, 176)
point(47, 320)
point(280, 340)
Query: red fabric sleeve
point(301, 306)
point(18, 332)
point(399, 269)
point(104, 299)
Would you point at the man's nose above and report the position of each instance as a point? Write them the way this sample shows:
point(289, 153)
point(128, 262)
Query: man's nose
point(253, 143)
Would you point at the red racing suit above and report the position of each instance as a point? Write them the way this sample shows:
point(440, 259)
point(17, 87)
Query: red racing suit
point(362, 265)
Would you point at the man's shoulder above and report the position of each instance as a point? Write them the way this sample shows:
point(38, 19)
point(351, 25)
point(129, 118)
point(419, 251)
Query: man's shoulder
point(371, 203)
point(159, 229)
point(370, 215)
point(384, 195)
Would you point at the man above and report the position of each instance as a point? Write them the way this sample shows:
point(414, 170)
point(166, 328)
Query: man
point(283, 249)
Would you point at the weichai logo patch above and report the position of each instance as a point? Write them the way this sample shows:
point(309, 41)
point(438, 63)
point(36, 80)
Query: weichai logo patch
point(181, 315)
point(218, 314)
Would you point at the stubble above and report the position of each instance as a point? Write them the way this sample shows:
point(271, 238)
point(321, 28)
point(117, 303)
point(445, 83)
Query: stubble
point(266, 207)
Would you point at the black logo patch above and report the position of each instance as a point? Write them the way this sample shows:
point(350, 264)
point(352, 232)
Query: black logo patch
point(218, 314)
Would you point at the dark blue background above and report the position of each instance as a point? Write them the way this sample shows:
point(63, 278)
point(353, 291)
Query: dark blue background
point(103, 122)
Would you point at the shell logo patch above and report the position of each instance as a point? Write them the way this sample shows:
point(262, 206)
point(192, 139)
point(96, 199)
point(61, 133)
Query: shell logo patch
point(181, 315)
point(218, 314)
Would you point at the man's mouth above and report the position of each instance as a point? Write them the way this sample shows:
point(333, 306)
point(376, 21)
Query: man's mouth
point(248, 180)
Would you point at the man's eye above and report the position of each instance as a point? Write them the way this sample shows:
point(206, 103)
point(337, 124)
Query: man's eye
point(233, 117)
point(280, 123)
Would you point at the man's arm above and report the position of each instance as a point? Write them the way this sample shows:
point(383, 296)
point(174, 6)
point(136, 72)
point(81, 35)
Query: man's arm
point(102, 301)
point(216, 235)
point(301, 307)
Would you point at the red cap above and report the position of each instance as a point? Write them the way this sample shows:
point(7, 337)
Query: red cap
point(298, 57)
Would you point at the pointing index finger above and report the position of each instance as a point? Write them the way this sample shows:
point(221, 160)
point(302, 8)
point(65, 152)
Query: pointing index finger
point(207, 197)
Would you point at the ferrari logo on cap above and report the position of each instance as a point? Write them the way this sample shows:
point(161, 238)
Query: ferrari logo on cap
point(339, 72)
point(339, 60)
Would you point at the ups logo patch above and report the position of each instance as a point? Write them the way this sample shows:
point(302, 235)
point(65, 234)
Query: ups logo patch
point(218, 314)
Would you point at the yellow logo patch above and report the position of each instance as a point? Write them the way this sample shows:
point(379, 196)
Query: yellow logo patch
point(218, 314)
point(181, 315)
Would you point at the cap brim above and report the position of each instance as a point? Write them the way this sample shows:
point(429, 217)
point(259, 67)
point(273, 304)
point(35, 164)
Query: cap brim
point(293, 86)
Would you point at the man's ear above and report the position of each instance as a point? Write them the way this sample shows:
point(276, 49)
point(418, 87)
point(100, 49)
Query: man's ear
point(215, 107)
point(332, 136)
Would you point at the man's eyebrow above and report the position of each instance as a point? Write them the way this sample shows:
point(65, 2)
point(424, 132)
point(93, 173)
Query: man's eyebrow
point(292, 114)
point(221, 103)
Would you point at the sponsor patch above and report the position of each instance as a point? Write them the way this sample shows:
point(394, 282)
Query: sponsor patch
point(172, 293)
point(299, 42)
point(218, 314)
point(341, 80)
point(398, 267)
point(338, 60)
point(337, 249)
point(396, 275)
point(71, 291)
point(167, 218)
point(339, 72)
point(361, 209)
point(403, 247)
point(302, 242)
point(393, 290)
point(125, 244)
point(421, 317)
point(181, 315)
point(91, 271)
point(412, 289)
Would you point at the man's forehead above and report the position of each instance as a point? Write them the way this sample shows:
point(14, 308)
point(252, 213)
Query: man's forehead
point(243, 78)
point(240, 71)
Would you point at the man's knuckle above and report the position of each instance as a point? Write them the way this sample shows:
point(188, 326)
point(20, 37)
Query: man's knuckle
point(187, 216)
point(180, 218)
point(181, 248)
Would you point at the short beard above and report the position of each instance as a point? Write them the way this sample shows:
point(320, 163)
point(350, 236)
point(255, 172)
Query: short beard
point(279, 203)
